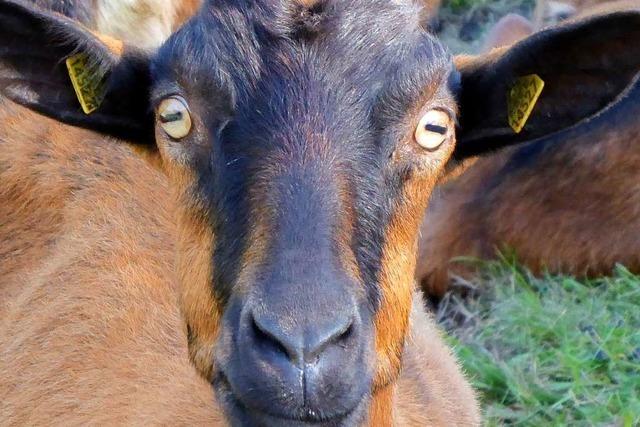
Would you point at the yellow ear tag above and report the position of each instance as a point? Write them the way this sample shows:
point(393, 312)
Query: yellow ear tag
point(521, 99)
point(88, 84)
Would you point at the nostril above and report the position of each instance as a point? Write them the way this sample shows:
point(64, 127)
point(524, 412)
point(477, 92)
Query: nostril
point(342, 339)
point(300, 342)
point(266, 339)
point(340, 336)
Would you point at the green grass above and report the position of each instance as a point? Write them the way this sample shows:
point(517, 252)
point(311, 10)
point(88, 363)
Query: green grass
point(550, 351)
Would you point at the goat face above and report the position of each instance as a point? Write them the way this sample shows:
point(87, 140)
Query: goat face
point(292, 133)
point(303, 139)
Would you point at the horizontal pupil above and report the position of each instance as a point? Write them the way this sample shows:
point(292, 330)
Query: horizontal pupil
point(435, 128)
point(171, 117)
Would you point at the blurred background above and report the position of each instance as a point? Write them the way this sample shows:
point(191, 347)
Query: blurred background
point(464, 24)
point(542, 350)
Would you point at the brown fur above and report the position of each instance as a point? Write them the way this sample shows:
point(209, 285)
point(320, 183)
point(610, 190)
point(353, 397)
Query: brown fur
point(92, 328)
point(572, 213)
point(187, 249)
point(430, 374)
point(116, 46)
point(392, 318)
point(185, 10)
point(429, 390)
point(397, 265)
point(571, 210)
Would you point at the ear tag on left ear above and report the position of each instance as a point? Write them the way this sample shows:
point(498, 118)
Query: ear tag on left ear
point(521, 99)
point(87, 83)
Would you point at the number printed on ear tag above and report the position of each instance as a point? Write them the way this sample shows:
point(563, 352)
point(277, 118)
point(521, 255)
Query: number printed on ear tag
point(87, 83)
point(521, 99)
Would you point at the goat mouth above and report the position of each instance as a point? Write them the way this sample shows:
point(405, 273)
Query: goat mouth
point(244, 414)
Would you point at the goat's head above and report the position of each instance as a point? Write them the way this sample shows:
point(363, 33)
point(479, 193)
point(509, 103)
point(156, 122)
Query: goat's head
point(303, 139)
point(294, 139)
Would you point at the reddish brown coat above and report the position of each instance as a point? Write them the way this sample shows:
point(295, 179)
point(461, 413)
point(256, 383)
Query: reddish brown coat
point(568, 205)
point(91, 329)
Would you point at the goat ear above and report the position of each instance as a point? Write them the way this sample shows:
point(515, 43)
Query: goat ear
point(58, 68)
point(585, 66)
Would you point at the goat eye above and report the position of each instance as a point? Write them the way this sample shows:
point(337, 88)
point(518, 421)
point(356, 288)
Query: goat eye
point(174, 117)
point(433, 129)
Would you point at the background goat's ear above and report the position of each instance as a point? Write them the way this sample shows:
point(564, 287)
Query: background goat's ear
point(34, 48)
point(585, 66)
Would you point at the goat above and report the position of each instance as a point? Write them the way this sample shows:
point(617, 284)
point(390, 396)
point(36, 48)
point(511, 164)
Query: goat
point(562, 203)
point(258, 227)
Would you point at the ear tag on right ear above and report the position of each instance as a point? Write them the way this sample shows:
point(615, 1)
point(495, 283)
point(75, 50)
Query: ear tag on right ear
point(87, 83)
point(521, 99)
